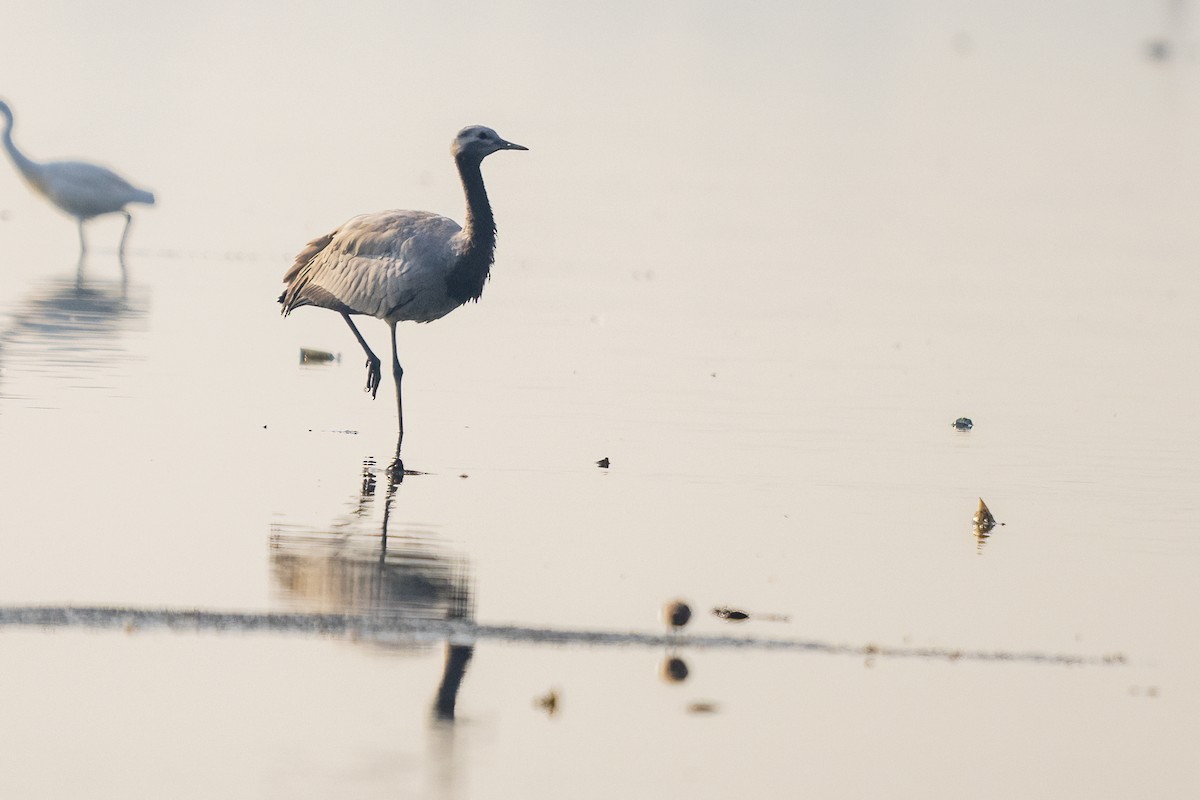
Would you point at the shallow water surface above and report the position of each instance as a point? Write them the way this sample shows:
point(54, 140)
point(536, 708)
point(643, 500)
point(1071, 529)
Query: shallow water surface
point(761, 266)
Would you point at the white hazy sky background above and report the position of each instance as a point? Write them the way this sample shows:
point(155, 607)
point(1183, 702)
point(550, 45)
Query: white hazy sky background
point(261, 126)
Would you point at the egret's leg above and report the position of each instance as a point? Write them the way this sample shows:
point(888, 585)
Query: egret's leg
point(372, 359)
point(82, 253)
point(124, 235)
point(397, 373)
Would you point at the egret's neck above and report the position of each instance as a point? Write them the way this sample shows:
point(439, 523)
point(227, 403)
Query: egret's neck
point(27, 167)
point(480, 228)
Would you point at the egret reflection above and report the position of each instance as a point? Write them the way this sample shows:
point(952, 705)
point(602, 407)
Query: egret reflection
point(69, 330)
point(357, 565)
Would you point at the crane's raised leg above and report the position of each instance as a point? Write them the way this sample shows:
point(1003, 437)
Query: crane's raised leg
point(372, 359)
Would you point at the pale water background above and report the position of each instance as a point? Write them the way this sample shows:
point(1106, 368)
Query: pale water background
point(758, 255)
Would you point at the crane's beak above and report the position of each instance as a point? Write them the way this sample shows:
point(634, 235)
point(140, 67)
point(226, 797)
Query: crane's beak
point(511, 146)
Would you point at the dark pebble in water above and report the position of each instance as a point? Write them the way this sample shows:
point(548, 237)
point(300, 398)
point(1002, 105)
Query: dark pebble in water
point(603, 463)
point(963, 424)
point(677, 613)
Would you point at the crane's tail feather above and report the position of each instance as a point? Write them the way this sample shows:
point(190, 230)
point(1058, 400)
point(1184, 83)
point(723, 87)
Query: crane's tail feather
point(298, 279)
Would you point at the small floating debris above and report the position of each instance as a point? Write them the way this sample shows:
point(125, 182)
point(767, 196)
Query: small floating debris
point(983, 519)
point(736, 615)
point(963, 424)
point(676, 613)
point(310, 356)
point(731, 614)
point(603, 463)
point(702, 707)
point(673, 670)
point(548, 702)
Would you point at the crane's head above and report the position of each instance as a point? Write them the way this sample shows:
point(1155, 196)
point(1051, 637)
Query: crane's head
point(476, 141)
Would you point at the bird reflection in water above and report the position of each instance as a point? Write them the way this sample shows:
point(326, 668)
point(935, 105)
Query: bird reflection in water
point(66, 329)
point(353, 567)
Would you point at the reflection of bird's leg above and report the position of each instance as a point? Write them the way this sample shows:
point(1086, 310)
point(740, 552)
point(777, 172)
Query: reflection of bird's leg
point(388, 499)
point(124, 235)
point(455, 669)
point(397, 373)
point(372, 359)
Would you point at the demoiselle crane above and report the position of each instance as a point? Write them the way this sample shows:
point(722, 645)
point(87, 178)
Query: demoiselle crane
point(403, 265)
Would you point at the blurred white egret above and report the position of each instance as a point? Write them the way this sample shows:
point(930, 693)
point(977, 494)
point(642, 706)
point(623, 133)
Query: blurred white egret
point(403, 265)
point(80, 189)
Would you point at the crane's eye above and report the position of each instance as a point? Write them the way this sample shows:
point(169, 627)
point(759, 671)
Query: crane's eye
point(481, 135)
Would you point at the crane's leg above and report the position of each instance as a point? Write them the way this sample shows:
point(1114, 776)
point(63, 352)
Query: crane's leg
point(372, 359)
point(397, 374)
point(396, 470)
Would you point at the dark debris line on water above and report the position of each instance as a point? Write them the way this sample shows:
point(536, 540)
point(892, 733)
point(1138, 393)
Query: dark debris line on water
point(380, 627)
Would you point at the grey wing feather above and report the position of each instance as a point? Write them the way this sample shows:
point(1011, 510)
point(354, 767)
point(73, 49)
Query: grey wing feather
point(390, 264)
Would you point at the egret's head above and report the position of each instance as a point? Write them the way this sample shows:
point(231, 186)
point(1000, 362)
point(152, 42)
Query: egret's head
point(478, 141)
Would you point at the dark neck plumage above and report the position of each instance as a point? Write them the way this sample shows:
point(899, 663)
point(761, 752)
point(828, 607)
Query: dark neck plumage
point(470, 272)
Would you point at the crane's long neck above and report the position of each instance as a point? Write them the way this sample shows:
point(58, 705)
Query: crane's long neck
point(29, 168)
point(470, 271)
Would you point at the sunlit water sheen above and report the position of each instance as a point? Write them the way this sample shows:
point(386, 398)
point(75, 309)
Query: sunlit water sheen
point(761, 265)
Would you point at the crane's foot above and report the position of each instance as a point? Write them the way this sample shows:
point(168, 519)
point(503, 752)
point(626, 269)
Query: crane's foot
point(373, 375)
point(396, 471)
